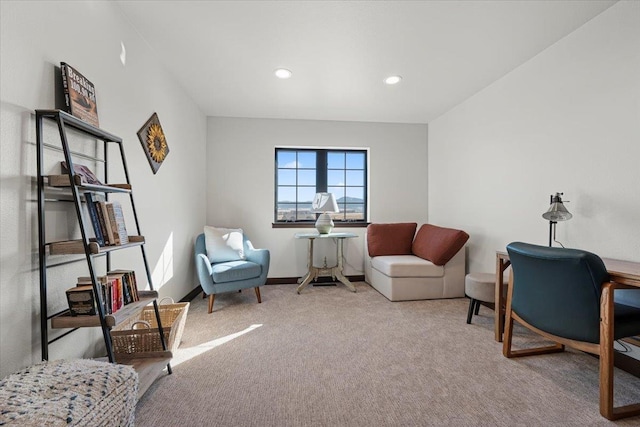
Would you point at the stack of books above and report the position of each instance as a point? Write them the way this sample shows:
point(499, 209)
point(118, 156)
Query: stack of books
point(116, 289)
point(107, 219)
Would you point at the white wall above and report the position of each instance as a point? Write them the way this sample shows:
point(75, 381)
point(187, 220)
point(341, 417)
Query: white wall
point(35, 38)
point(566, 121)
point(241, 162)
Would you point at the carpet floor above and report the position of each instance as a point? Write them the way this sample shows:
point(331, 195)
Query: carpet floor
point(330, 357)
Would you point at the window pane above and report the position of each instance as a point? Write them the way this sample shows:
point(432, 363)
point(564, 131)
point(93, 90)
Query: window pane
point(307, 159)
point(354, 212)
point(356, 193)
point(305, 195)
point(335, 160)
point(338, 192)
point(355, 160)
point(305, 213)
point(355, 178)
point(286, 177)
point(286, 194)
point(307, 177)
point(286, 159)
point(335, 177)
point(286, 212)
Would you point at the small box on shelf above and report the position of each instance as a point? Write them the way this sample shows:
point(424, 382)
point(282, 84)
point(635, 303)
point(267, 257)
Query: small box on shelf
point(82, 301)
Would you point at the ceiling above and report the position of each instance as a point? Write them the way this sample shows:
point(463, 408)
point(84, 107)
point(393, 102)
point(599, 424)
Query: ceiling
point(224, 53)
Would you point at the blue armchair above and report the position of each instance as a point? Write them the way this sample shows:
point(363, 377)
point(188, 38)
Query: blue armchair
point(565, 296)
point(231, 275)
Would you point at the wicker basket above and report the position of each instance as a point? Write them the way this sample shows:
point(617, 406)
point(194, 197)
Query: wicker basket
point(138, 336)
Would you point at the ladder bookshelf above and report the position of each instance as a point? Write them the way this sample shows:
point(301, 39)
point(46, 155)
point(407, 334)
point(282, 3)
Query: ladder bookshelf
point(71, 184)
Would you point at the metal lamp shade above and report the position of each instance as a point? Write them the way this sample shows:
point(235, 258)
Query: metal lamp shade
point(557, 212)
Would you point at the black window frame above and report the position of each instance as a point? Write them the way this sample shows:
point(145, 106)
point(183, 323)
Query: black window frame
point(322, 172)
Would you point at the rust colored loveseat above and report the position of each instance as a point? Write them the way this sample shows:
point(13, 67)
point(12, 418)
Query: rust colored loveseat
point(404, 265)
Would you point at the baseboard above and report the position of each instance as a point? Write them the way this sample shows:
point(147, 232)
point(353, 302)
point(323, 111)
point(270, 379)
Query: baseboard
point(191, 295)
point(276, 281)
point(294, 280)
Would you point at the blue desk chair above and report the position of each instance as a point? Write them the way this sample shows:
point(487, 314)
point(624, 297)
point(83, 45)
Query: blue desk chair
point(231, 276)
point(559, 294)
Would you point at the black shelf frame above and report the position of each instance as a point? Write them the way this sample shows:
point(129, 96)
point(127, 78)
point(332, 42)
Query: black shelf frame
point(64, 122)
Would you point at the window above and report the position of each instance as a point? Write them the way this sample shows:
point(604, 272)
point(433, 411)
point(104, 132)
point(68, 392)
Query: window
point(301, 173)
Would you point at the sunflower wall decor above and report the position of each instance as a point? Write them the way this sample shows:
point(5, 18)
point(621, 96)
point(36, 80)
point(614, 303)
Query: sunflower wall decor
point(153, 142)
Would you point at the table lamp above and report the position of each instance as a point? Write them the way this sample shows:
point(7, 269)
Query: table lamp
point(324, 202)
point(556, 212)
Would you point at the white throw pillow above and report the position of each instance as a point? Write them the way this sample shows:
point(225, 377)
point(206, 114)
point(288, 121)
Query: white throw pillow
point(223, 244)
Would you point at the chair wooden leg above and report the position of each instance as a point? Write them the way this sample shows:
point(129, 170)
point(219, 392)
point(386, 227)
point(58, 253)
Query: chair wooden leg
point(258, 294)
point(477, 309)
point(606, 361)
point(204, 295)
point(470, 311)
point(211, 298)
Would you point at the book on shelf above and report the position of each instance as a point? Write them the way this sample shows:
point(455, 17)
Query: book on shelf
point(116, 289)
point(97, 200)
point(130, 284)
point(85, 174)
point(118, 227)
point(82, 301)
point(106, 223)
point(95, 219)
point(79, 95)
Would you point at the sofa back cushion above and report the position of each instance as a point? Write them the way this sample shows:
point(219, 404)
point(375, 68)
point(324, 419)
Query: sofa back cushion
point(390, 239)
point(438, 244)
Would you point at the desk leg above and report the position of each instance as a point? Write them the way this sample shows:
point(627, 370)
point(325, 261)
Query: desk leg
point(499, 311)
point(338, 271)
point(310, 274)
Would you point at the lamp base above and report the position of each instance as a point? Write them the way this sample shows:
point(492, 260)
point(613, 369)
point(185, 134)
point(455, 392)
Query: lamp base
point(324, 224)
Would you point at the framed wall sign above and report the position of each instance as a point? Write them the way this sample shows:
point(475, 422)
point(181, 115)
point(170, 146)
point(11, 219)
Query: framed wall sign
point(153, 142)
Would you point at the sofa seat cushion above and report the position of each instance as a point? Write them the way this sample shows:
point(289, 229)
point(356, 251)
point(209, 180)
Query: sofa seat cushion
point(406, 266)
point(235, 270)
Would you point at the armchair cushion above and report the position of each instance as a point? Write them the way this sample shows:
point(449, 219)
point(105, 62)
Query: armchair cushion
point(224, 244)
point(235, 270)
point(438, 244)
point(390, 239)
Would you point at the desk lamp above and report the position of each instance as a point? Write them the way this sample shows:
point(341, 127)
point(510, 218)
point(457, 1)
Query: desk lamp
point(324, 202)
point(556, 212)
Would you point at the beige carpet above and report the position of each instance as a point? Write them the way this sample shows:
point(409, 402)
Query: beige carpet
point(330, 357)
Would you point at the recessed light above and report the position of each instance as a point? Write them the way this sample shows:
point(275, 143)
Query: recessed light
point(392, 80)
point(282, 73)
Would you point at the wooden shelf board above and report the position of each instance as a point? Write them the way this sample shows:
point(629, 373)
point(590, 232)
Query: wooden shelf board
point(63, 181)
point(67, 321)
point(148, 369)
point(70, 247)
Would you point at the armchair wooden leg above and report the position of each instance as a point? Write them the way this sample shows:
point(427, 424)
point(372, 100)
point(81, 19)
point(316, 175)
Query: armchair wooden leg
point(258, 294)
point(211, 298)
point(204, 295)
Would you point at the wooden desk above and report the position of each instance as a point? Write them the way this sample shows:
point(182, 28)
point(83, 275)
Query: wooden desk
point(336, 270)
point(623, 272)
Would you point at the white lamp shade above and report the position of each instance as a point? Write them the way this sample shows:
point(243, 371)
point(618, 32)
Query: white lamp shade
point(324, 202)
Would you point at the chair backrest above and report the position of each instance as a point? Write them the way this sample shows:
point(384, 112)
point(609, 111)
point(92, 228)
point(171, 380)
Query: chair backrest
point(557, 290)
